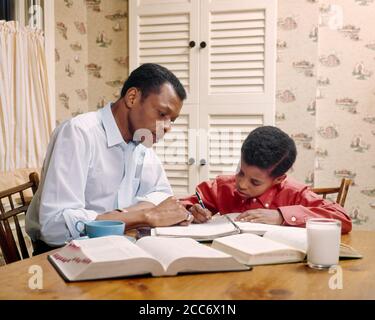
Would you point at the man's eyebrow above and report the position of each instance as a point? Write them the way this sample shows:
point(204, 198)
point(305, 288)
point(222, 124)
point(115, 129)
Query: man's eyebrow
point(167, 109)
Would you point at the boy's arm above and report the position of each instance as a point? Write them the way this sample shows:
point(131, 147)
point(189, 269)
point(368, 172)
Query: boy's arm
point(308, 205)
point(208, 191)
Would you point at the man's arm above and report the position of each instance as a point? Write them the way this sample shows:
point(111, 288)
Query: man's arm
point(62, 200)
point(168, 212)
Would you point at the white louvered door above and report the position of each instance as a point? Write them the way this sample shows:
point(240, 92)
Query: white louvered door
point(226, 134)
point(160, 32)
point(237, 86)
point(229, 79)
point(240, 52)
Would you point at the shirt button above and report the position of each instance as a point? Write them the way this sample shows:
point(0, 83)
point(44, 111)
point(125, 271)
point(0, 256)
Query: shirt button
point(293, 219)
point(266, 205)
point(254, 200)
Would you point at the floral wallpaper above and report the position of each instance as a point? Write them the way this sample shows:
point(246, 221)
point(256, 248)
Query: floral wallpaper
point(91, 54)
point(325, 95)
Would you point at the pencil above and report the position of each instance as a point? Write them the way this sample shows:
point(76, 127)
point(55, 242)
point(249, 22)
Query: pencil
point(200, 199)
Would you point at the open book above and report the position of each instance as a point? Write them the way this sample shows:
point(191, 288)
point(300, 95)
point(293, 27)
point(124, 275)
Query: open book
point(116, 256)
point(218, 226)
point(276, 246)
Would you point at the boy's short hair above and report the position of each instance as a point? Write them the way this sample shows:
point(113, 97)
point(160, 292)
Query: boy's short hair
point(269, 148)
point(149, 77)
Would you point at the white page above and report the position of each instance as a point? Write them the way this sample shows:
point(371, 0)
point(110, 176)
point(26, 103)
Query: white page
point(167, 250)
point(216, 226)
point(256, 228)
point(111, 248)
point(291, 236)
point(252, 244)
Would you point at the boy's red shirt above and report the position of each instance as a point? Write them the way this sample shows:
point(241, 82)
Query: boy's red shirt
point(295, 201)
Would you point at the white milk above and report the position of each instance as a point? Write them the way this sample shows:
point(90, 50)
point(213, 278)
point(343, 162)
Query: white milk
point(323, 242)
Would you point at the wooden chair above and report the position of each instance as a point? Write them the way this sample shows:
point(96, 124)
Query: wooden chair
point(8, 242)
point(341, 191)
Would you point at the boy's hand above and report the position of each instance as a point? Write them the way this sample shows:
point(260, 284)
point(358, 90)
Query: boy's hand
point(189, 219)
point(200, 215)
point(267, 216)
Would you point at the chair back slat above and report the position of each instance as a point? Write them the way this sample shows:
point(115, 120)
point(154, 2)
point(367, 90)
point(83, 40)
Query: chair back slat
point(21, 239)
point(22, 198)
point(27, 185)
point(341, 191)
point(14, 254)
point(13, 250)
point(15, 211)
point(11, 202)
point(344, 189)
point(4, 243)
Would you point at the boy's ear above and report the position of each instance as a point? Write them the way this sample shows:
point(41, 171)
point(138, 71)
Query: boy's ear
point(279, 179)
point(131, 97)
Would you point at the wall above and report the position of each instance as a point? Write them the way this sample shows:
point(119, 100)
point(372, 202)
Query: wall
point(325, 83)
point(91, 54)
point(326, 95)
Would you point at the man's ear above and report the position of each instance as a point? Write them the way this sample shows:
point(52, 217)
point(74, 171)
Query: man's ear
point(131, 97)
point(279, 179)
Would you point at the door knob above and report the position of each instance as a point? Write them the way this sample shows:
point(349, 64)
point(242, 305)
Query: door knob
point(203, 44)
point(191, 161)
point(202, 162)
point(192, 44)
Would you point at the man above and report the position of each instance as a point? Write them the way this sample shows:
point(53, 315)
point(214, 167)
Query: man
point(100, 163)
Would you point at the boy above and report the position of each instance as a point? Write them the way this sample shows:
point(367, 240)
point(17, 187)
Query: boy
point(261, 190)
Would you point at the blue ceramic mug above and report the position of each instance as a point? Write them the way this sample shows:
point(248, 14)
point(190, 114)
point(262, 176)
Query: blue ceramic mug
point(100, 228)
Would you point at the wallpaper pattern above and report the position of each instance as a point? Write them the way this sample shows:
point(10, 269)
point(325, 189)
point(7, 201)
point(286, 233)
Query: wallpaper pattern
point(325, 83)
point(91, 54)
point(326, 95)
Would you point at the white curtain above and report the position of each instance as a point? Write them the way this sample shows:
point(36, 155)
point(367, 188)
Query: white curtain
point(25, 118)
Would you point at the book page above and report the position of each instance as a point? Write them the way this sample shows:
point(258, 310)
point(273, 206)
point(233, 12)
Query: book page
point(218, 225)
point(253, 249)
point(252, 244)
point(167, 250)
point(291, 236)
point(347, 251)
point(253, 227)
point(297, 238)
point(71, 260)
point(111, 248)
point(104, 257)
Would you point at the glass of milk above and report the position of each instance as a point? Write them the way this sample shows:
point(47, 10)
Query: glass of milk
point(323, 242)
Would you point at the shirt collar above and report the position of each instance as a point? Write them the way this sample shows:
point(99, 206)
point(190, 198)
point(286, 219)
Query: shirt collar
point(111, 129)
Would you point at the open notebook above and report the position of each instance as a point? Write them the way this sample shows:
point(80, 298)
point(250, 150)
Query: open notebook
point(116, 256)
point(218, 226)
point(276, 246)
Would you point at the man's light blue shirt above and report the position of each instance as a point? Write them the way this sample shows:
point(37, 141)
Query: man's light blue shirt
point(89, 169)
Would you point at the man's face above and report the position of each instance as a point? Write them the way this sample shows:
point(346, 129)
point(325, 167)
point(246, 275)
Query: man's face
point(252, 181)
point(151, 118)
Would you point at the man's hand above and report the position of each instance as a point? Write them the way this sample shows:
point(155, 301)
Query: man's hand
point(200, 215)
point(167, 213)
point(267, 216)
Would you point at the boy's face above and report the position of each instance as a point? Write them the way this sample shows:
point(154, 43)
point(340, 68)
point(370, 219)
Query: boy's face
point(251, 181)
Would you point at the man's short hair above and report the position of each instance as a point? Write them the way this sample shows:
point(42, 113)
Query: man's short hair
point(149, 77)
point(269, 148)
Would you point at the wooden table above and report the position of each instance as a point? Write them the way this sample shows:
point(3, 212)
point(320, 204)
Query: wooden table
point(288, 281)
